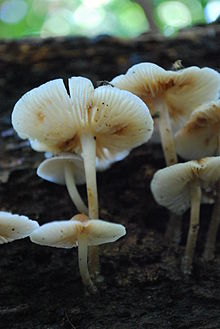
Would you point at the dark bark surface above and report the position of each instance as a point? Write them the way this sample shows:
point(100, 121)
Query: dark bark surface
point(143, 286)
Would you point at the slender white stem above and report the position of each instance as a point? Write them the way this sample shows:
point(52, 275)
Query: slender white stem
point(88, 143)
point(72, 189)
point(83, 266)
point(195, 195)
point(89, 155)
point(166, 135)
point(209, 252)
point(169, 151)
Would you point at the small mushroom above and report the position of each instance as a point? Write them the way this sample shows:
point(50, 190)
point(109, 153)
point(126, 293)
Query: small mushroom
point(200, 137)
point(78, 231)
point(14, 227)
point(171, 96)
point(65, 169)
point(178, 188)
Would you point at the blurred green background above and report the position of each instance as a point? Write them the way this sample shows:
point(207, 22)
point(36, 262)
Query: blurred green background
point(123, 18)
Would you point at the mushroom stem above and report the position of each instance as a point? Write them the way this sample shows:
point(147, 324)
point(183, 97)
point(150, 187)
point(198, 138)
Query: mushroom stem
point(209, 252)
point(89, 155)
point(83, 265)
point(88, 143)
point(195, 196)
point(169, 151)
point(72, 189)
point(166, 136)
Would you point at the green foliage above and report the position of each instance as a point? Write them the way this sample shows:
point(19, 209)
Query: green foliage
point(123, 18)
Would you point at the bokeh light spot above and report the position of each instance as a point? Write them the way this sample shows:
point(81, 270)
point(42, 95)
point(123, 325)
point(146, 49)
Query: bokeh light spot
point(212, 11)
point(88, 17)
point(13, 11)
point(133, 20)
point(174, 13)
point(59, 23)
point(95, 3)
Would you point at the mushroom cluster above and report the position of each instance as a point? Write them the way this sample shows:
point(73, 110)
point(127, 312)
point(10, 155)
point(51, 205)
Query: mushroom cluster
point(172, 96)
point(200, 137)
point(87, 129)
point(178, 187)
point(82, 128)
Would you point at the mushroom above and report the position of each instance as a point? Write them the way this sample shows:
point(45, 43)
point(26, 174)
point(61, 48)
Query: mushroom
point(14, 227)
point(170, 95)
point(178, 187)
point(78, 231)
point(65, 169)
point(88, 122)
point(200, 137)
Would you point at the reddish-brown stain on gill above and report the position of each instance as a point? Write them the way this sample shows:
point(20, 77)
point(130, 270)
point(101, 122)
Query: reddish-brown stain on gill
point(119, 130)
point(70, 144)
point(198, 123)
point(40, 116)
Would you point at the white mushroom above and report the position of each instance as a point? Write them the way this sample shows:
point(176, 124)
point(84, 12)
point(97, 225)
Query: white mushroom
point(81, 232)
point(65, 169)
point(88, 122)
point(178, 187)
point(170, 96)
point(14, 227)
point(200, 137)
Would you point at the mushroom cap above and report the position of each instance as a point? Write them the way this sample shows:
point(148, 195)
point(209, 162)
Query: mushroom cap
point(171, 186)
point(53, 169)
point(182, 90)
point(200, 135)
point(117, 119)
point(106, 162)
point(14, 227)
point(64, 234)
point(59, 234)
point(100, 232)
point(39, 112)
point(37, 146)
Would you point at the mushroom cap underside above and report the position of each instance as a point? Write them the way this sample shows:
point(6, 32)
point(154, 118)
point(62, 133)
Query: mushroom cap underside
point(171, 186)
point(65, 234)
point(181, 90)
point(14, 227)
point(200, 136)
point(118, 120)
point(53, 169)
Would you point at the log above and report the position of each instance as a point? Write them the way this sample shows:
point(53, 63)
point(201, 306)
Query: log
point(143, 286)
